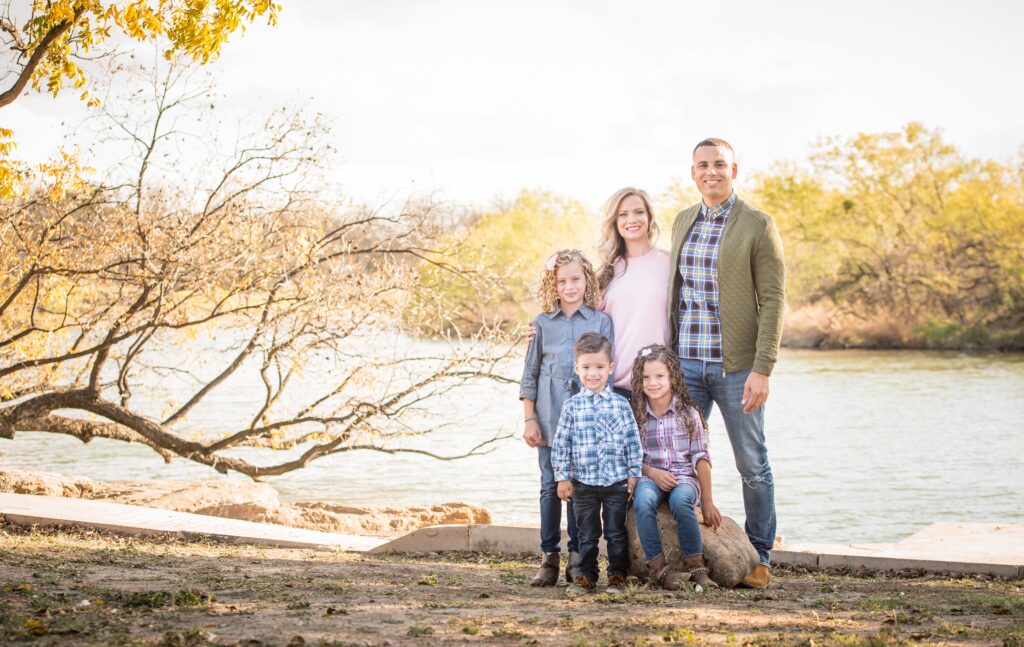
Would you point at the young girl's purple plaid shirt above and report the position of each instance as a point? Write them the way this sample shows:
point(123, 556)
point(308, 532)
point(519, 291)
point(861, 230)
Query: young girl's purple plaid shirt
point(597, 441)
point(669, 446)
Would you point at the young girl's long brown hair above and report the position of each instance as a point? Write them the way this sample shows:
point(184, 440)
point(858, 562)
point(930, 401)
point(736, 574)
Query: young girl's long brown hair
point(677, 383)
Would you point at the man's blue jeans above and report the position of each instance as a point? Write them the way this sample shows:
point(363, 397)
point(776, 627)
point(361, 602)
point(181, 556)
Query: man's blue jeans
point(681, 500)
point(592, 504)
point(551, 509)
point(708, 383)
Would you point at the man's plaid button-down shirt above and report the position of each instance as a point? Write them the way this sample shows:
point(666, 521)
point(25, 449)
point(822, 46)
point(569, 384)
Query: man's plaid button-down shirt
point(700, 329)
point(597, 441)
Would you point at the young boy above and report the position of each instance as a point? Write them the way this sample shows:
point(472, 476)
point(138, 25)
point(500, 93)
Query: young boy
point(597, 458)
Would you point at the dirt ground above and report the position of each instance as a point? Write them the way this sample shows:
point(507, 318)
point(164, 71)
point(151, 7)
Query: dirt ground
point(74, 587)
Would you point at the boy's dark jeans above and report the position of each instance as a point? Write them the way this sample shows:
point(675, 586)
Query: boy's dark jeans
point(591, 503)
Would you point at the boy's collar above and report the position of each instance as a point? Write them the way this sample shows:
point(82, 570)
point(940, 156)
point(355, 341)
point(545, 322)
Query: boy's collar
point(606, 392)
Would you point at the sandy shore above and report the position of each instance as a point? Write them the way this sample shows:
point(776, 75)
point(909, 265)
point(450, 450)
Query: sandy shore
point(83, 588)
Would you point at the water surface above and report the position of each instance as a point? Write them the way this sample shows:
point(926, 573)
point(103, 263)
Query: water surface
point(866, 446)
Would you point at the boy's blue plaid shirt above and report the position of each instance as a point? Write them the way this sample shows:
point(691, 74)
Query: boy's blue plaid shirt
point(597, 441)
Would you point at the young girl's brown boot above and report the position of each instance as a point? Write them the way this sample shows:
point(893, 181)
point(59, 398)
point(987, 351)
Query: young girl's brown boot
point(694, 565)
point(659, 573)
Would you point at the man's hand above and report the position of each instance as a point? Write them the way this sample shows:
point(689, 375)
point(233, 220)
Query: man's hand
point(662, 478)
point(532, 434)
point(564, 490)
point(755, 391)
point(631, 485)
point(711, 516)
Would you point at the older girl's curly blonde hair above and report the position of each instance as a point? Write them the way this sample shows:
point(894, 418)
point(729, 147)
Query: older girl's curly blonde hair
point(547, 293)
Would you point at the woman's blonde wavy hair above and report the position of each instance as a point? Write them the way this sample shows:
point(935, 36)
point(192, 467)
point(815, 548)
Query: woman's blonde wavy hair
point(613, 245)
point(677, 383)
point(547, 293)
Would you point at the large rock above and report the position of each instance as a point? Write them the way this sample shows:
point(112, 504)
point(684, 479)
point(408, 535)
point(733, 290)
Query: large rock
point(47, 484)
point(728, 553)
point(248, 501)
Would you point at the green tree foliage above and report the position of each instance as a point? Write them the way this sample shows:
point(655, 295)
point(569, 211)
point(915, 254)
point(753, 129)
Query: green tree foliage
point(903, 224)
point(515, 239)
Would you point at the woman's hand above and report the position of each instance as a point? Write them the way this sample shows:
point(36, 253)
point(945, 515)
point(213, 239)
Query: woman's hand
point(530, 333)
point(662, 478)
point(712, 517)
point(532, 434)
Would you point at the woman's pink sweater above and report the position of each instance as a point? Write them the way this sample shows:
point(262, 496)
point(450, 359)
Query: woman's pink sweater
point(636, 302)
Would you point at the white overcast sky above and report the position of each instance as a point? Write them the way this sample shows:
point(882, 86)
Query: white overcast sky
point(479, 99)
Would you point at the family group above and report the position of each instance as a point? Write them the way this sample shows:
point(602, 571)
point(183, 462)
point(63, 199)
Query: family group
point(624, 365)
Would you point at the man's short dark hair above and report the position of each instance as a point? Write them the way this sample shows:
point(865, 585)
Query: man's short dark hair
point(593, 342)
point(712, 141)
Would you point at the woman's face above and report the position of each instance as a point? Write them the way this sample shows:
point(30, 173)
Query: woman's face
point(632, 219)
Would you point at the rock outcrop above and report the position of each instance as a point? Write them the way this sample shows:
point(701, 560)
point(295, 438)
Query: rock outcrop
point(728, 553)
point(245, 500)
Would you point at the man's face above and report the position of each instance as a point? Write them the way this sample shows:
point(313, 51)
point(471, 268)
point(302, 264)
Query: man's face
point(594, 369)
point(713, 170)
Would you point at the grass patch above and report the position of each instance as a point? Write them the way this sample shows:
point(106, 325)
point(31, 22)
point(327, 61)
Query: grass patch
point(156, 599)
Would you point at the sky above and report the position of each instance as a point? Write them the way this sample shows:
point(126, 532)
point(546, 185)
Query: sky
point(476, 100)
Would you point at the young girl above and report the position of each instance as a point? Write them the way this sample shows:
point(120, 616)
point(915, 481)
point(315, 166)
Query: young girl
point(676, 466)
point(569, 296)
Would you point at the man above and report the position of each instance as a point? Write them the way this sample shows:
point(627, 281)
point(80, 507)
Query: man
point(726, 299)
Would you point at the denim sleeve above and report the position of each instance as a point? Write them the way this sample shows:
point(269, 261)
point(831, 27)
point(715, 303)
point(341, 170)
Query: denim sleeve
point(531, 368)
point(634, 450)
point(608, 330)
point(561, 451)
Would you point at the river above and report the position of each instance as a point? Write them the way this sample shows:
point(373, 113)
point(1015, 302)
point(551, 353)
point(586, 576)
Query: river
point(866, 446)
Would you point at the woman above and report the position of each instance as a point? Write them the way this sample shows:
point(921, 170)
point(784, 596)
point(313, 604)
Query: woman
point(633, 277)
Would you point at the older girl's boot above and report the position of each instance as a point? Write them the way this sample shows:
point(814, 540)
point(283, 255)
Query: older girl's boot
point(659, 573)
point(547, 574)
point(694, 565)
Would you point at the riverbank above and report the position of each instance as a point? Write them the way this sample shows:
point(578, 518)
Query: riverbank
point(246, 501)
point(72, 586)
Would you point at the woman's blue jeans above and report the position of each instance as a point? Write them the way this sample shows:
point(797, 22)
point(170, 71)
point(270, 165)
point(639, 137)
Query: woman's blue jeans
point(710, 384)
point(551, 509)
point(646, 499)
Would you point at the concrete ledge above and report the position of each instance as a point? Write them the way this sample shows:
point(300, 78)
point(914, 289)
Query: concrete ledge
point(795, 558)
point(962, 549)
point(31, 510)
point(928, 565)
point(474, 537)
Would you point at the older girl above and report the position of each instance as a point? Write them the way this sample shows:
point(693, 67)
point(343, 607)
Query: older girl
point(568, 295)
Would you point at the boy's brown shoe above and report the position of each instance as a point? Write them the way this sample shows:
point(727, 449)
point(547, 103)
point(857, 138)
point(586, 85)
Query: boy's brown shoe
point(757, 578)
point(584, 582)
point(615, 584)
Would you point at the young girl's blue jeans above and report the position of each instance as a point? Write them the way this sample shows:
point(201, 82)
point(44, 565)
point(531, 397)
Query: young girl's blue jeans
point(551, 509)
point(646, 499)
